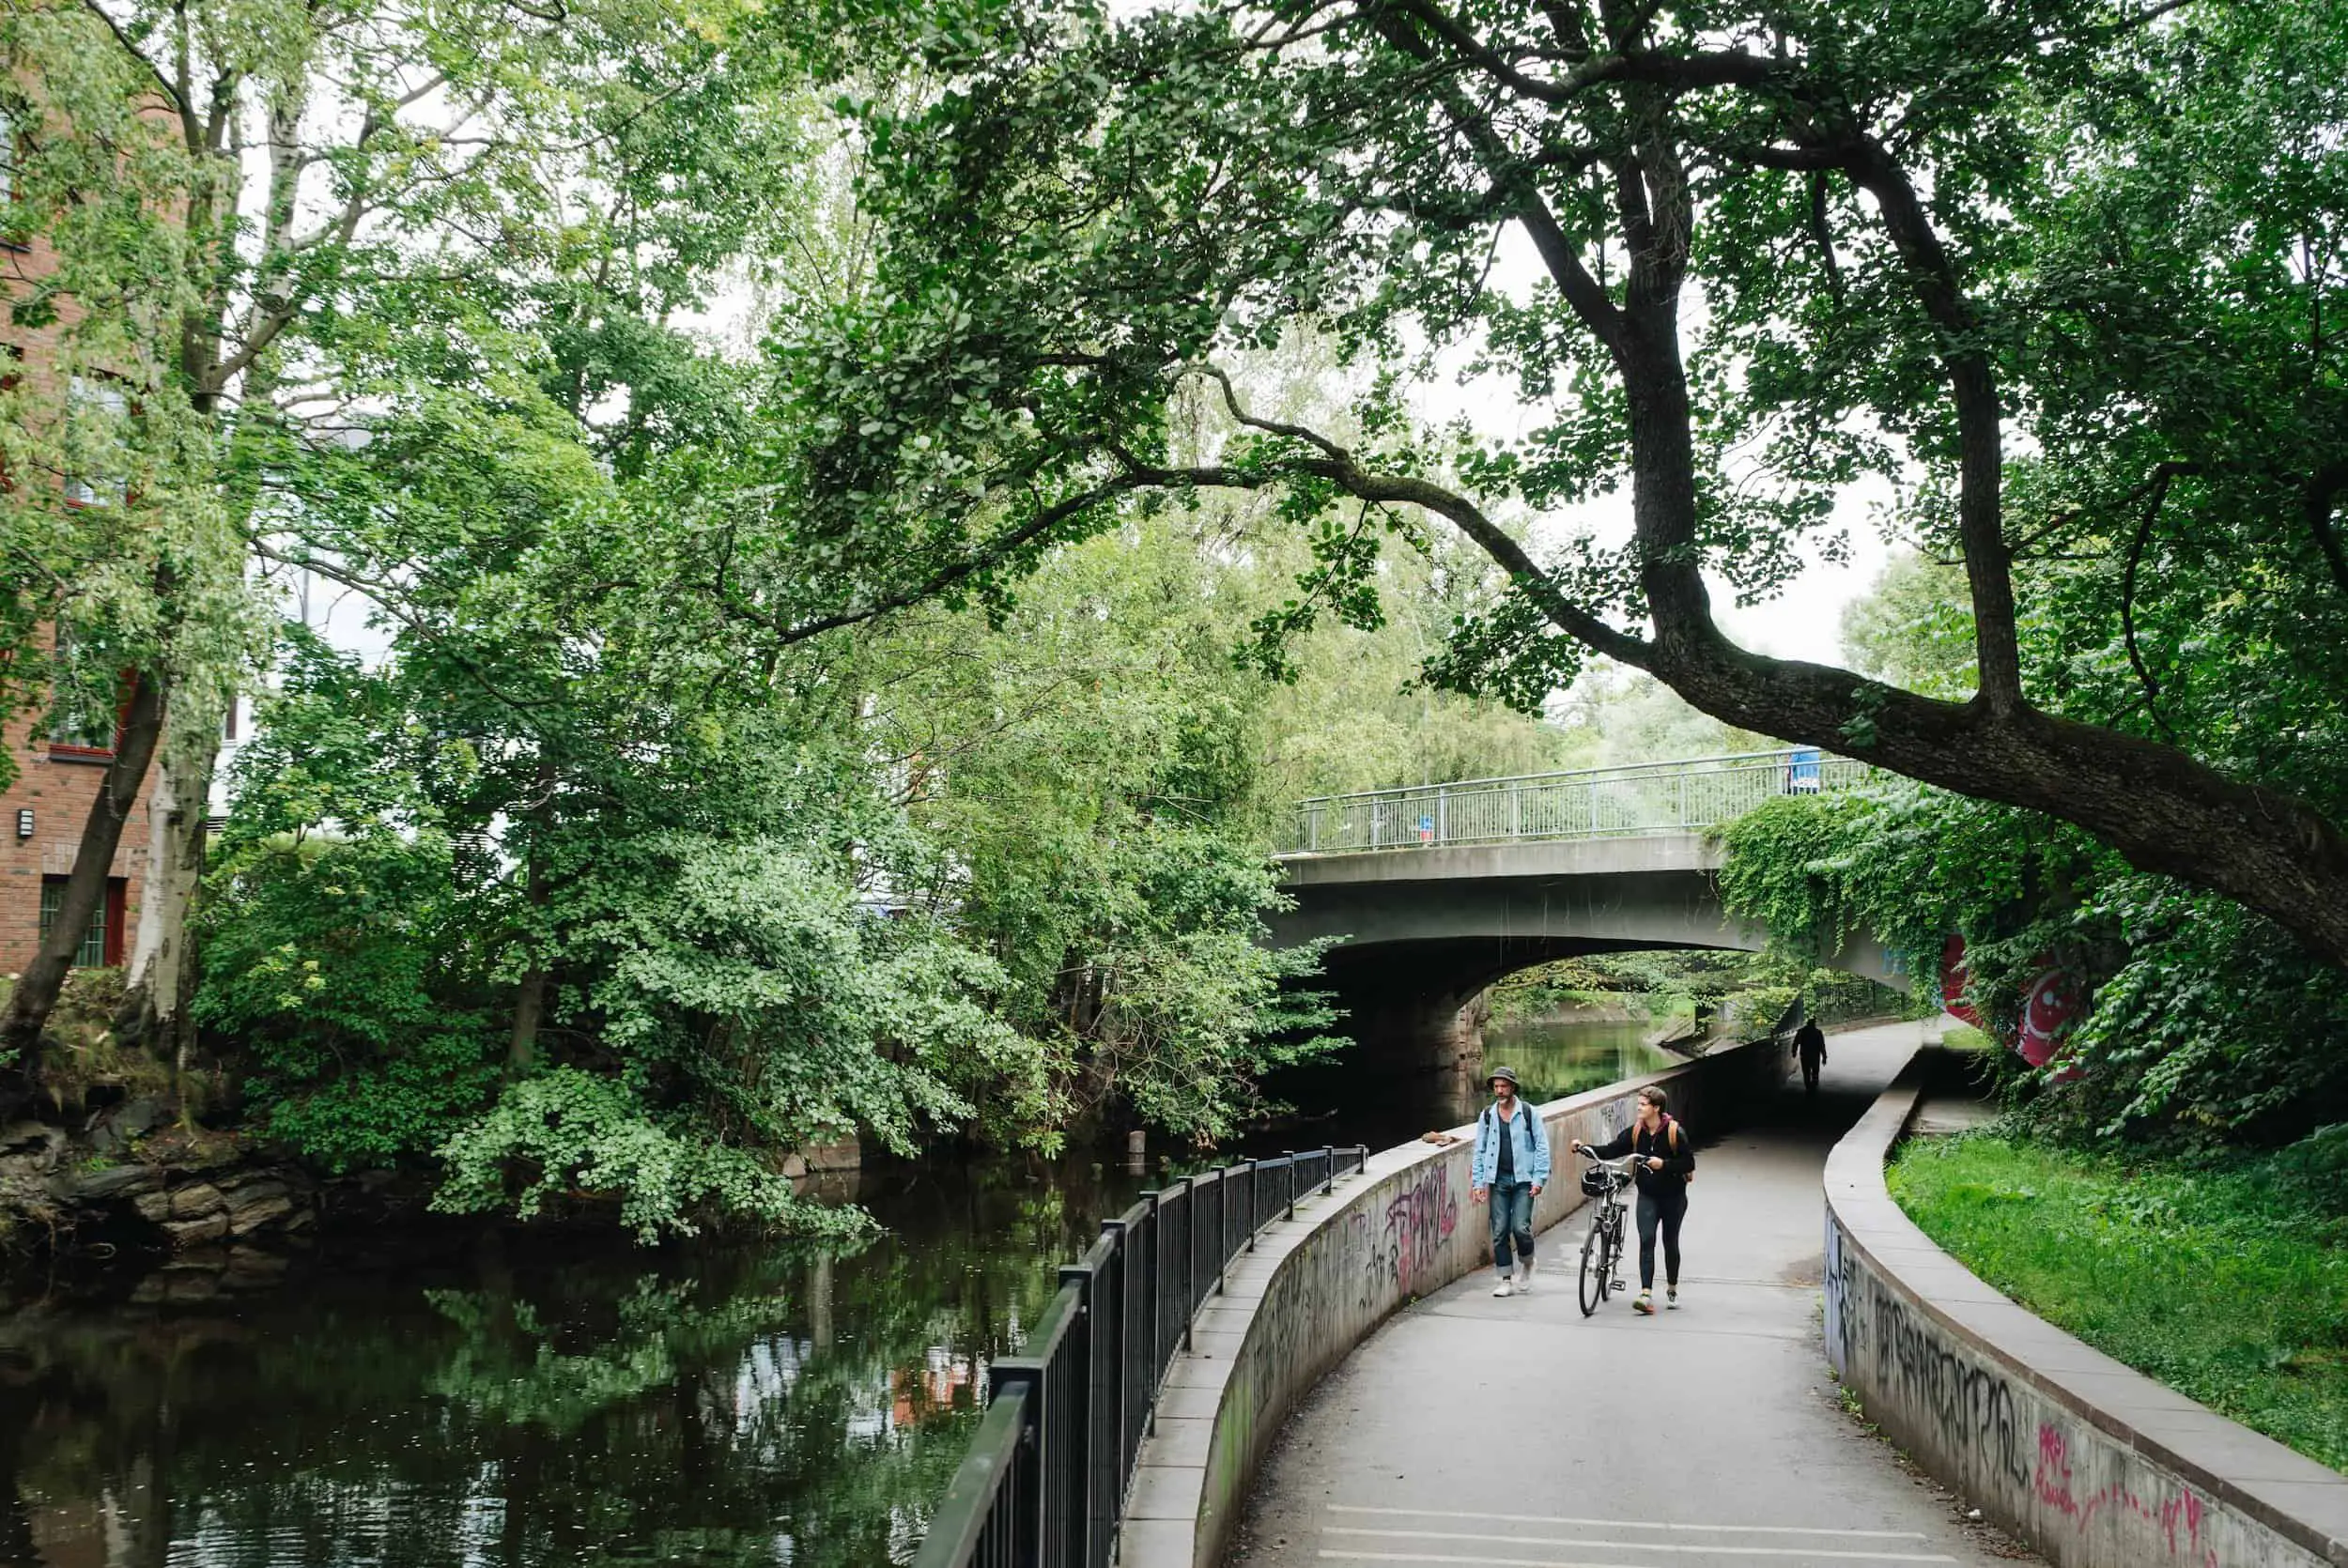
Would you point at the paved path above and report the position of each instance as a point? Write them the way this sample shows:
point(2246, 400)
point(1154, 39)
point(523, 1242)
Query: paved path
point(1707, 1438)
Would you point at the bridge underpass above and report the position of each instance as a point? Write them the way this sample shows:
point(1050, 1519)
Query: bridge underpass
point(1434, 894)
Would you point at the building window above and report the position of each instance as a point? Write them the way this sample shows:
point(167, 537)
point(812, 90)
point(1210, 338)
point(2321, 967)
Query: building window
point(96, 413)
point(8, 160)
point(86, 698)
point(102, 944)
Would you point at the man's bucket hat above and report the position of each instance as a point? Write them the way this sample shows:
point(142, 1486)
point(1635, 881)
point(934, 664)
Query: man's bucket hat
point(1497, 1073)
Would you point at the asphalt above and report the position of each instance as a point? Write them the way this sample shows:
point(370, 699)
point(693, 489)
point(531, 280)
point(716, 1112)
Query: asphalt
point(1516, 1433)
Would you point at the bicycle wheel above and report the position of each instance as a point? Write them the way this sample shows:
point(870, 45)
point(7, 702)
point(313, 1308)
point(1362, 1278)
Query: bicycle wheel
point(1593, 1271)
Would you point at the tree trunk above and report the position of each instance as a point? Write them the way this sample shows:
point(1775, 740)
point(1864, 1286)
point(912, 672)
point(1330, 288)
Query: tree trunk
point(37, 990)
point(529, 998)
point(179, 811)
point(530, 1002)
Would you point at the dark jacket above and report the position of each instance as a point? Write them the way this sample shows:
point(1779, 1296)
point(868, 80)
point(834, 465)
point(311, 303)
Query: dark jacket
point(1809, 1042)
point(1669, 1142)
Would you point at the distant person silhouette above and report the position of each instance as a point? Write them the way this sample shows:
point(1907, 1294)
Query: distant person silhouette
point(1810, 1045)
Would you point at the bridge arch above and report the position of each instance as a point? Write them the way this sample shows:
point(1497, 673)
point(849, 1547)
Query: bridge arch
point(1432, 895)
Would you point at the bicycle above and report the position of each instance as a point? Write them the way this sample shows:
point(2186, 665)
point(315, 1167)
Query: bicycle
point(1602, 1249)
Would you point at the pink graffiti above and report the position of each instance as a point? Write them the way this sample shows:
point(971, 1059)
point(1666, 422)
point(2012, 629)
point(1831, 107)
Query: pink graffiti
point(1419, 1222)
point(2053, 1483)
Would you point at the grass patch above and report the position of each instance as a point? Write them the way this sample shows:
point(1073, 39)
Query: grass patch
point(1964, 1037)
point(2214, 1280)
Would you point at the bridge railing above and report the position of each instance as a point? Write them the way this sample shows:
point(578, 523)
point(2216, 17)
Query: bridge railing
point(1047, 1479)
point(1593, 803)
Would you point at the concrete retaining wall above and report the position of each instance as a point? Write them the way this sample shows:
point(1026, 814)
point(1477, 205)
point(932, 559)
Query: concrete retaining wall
point(1316, 1285)
point(2092, 1464)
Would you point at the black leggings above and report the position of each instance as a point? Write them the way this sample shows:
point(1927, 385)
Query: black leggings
point(1666, 1207)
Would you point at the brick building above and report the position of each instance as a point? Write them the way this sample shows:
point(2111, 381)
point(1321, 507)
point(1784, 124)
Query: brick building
point(61, 760)
point(41, 815)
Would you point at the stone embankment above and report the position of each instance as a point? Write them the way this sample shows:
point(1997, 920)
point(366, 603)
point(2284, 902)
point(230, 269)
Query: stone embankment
point(2093, 1463)
point(130, 1177)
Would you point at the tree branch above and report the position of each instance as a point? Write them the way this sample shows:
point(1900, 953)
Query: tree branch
point(1980, 457)
point(996, 553)
point(161, 81)
point(2322, 495)
point(2159, 489)
point(1825, 236)
point(1338, 467)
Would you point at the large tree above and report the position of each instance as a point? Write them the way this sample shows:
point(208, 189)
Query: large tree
point(2066, 260)
point(260, 226)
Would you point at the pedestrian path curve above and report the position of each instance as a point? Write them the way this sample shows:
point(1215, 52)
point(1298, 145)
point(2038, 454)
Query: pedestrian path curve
point(1514, 1433)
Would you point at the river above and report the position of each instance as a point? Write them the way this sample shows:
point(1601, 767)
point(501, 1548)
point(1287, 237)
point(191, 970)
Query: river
point(496, 1402)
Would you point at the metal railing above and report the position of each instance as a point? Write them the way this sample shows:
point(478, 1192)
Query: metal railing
point(1594, 803)
point(1045, 1481)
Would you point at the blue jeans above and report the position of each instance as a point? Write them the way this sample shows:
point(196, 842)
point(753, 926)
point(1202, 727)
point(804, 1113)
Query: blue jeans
point(1512, 1216)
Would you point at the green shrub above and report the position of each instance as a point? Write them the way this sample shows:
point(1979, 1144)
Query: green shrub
point(2316, 1168)
point(328, 963)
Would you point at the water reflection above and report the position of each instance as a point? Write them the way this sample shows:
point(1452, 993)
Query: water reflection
point(1556, 1059)
point(764, 1405)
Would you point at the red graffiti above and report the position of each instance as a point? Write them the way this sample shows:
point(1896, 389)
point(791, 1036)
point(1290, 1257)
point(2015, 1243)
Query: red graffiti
point(2047, 1011)
point(2053, 1484)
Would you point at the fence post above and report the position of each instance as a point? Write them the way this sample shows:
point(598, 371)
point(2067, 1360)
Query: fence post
point(1290, 1184)
point(1254, 1174)
point(1028, 1524)
point(1443, 816)
point(1329, 1153)
point(1221, 1225)
point(1190, 1253)
point(1120, 1354)
point(1153, 1334)
point(1076, 1424)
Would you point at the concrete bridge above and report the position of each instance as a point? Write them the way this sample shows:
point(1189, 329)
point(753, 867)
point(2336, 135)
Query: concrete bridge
point(1434, 893)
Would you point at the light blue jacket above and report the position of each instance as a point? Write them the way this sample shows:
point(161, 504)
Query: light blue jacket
point(1532, 1150)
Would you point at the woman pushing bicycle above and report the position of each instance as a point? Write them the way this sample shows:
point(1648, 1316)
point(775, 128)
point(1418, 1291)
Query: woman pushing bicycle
point(1664, 1158)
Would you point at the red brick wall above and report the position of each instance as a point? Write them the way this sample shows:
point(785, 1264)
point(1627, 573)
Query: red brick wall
point(59, 791)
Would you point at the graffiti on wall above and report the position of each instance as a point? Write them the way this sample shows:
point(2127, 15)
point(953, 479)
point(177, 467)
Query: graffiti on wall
point(1881, 1342)
point(1419, 1219)
point(1972, 1414)
point(2178, 1518)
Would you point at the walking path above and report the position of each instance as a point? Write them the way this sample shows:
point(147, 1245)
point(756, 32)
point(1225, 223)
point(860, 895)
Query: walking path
point(1514, 1434)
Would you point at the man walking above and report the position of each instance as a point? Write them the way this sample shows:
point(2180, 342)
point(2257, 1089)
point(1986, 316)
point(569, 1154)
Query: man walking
point(1511, 1164)
point(1810, 1045)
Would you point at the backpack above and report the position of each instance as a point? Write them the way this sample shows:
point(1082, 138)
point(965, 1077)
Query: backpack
point(1672, 1124)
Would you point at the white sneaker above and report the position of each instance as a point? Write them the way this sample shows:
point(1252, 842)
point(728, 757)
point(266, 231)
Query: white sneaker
point(1525, 1277)
point(1504, 1287)
point(1671, 1299)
